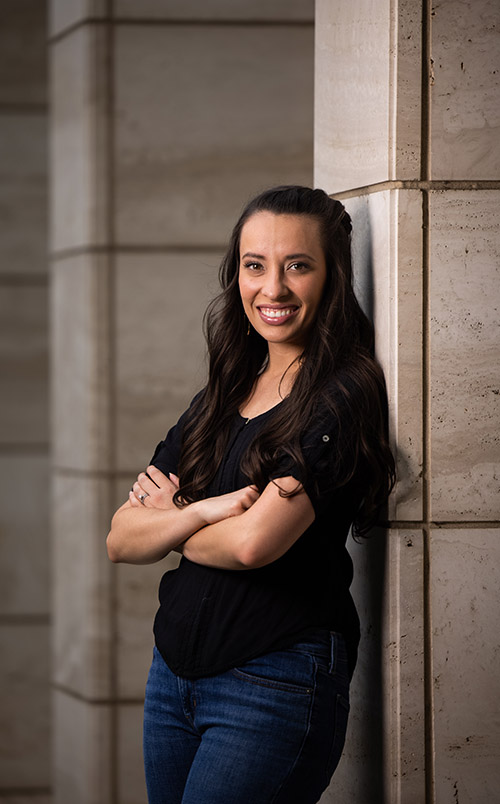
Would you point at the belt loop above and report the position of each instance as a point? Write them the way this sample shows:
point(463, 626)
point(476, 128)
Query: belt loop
point(333, 656)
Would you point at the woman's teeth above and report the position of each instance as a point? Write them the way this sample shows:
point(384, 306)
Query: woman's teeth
point(270, 313)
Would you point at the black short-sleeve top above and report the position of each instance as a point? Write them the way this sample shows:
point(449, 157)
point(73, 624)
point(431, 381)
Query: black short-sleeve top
point(211, 620)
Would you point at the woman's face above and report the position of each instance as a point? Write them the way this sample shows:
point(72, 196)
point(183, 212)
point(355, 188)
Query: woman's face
point(282, 274)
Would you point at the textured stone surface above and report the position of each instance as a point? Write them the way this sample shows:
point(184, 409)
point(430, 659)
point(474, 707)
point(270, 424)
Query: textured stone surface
point(65, 13)
point(24, 414)
point(78, 145)
point(23, 69)
point(23, 194)
point(160, 350)
point(82, 641)
point(82, 751)
point(367, 93)
point(387, 240)
point(465, 615)
point(24, 531)
point(207, 116)
point(24, 705)
point(284, 10)
point(466, 90)
point(465, 375)
point(131, 782)
point(80, 362)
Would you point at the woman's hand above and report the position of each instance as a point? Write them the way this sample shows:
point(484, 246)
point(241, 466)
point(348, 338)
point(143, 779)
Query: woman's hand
point(153, 489)
point(214, 509)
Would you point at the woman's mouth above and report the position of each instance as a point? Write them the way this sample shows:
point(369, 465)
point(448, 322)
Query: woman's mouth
point(277, 315)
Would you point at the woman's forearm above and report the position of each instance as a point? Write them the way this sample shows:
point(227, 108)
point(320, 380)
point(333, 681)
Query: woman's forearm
point(141, 535)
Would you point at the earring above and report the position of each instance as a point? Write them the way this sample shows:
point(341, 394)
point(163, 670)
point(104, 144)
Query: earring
point(248, 328)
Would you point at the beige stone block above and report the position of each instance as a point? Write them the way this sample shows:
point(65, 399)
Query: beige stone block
point(23, 194)
point(161, 299)
point(384, 754)
point(465, 97)
point(24, 529)
point(83, 756)
point(206, 116)
point(367, 69)
point(82, 577)
point(23, 68)
point(63, 14)
point(78, 140)
point(465, 333)
point(80, 313)
point(24, 706)
point(386, 253)
point(23, 365)
point(276, 10)
point(131, 781)
point(465, 615)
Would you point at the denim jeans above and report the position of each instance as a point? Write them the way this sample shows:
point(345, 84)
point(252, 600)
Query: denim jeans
point(271, 730)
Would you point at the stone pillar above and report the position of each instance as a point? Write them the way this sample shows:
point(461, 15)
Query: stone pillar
point(406, 134)
point(24, 430)
point(166, 117)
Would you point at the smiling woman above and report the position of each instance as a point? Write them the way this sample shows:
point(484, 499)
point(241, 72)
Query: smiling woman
point(257, 486)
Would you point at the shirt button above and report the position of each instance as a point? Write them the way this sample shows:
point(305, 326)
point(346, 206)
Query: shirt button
point(326, 438)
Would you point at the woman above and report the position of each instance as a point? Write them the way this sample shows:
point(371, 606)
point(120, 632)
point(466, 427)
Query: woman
point(257, 486)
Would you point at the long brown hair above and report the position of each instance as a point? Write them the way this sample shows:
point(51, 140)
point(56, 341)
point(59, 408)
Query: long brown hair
point(337, 370)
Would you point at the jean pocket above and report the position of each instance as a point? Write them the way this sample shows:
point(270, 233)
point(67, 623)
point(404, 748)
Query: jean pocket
point(281, 670)
point(339, 732)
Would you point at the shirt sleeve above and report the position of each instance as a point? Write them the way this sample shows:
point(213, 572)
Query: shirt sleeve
point(325, 454)
point(167, 453)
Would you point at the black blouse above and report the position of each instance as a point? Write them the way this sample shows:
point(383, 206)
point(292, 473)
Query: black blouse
point(211, 620)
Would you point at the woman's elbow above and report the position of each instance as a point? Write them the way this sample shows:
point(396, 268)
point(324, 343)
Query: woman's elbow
point(113, 548)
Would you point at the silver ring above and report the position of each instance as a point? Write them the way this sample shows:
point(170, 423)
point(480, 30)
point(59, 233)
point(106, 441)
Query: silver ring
point(142, 497)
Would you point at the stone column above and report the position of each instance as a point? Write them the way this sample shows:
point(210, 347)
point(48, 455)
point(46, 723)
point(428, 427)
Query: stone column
point(24, 420)
point(406, 134)
point(166, 117)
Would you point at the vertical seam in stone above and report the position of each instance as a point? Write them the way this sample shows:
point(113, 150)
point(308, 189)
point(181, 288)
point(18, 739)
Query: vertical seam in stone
point(426, 494)
point(425, 175)
point(112, 435)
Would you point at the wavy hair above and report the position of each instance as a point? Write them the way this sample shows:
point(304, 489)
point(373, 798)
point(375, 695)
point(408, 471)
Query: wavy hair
point(337, 369)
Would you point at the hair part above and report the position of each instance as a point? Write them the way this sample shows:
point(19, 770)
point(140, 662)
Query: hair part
point(337, 370)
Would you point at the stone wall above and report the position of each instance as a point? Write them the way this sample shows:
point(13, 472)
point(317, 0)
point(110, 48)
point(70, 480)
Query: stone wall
point(166, 118)
point(406, 133)
point(24, 406)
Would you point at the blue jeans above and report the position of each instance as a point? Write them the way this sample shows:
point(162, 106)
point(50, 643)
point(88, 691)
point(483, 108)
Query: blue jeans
point(271, 730)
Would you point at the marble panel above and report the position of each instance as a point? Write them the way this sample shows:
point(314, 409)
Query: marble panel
point(160, 350)
point(206, 116)
point(83, 754)
point(24, 706)
point(78, 140)
point(276, 10)
point(387, 253)
point(24, 415)
point(465, 102)
point(63, 14)
point(82, 578)
point(23, 194)
point(131, 781)
point(80, 315)
point(24, 530)
point(23, 60)
point(367, 69)
point(465, 370)
point(465, 615)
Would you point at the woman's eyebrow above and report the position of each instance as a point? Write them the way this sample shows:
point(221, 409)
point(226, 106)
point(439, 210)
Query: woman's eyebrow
point(301, 255)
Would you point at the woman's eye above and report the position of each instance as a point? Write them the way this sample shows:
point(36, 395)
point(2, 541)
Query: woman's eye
point(298, 266)
point(253, 266)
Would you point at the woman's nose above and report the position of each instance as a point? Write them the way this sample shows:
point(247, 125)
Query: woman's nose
point(274, 285)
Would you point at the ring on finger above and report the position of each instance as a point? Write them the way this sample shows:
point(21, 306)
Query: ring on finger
point(143, 496)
